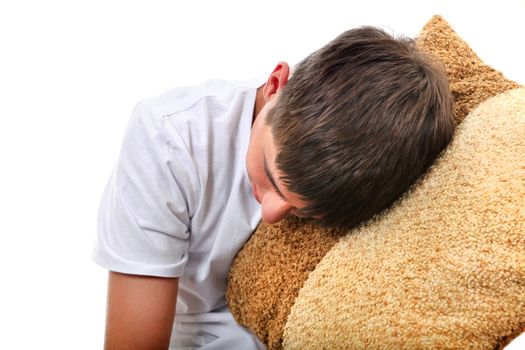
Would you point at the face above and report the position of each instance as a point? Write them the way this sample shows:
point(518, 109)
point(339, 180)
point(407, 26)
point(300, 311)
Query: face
point(276, 201)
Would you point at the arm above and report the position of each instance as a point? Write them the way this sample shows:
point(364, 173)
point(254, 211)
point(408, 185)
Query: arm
point(140, 311)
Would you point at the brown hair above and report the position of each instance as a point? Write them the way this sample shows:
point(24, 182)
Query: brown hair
point(358, 122)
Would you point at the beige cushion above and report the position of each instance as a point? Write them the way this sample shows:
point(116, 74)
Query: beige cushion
point(444, 267)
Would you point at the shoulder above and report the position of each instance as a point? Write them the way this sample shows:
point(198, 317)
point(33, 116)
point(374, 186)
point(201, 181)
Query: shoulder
point(196, 118)
point(185, 98)
point(185, 112)
point(180, 108)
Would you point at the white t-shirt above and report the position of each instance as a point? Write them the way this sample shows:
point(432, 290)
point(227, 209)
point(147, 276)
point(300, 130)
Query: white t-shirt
point(179, 203)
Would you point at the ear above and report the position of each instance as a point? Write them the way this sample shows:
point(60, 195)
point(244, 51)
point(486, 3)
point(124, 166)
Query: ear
point(277, 80)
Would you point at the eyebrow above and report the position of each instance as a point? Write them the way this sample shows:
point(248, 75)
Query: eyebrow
point(272, 180)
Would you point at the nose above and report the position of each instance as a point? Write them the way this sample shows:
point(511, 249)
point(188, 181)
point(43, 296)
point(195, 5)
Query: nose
point(274, 208)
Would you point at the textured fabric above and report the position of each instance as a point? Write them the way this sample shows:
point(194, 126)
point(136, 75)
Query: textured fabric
point(254, 289)
point(445, 267)
point(471, 80)
point(275, 275)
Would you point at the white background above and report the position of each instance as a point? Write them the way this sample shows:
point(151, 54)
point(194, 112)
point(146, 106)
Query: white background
point(72, 71)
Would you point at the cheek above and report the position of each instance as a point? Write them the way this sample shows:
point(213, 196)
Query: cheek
point(253, 165)
point(257, 180)
point(268, 213)
point(250, 163)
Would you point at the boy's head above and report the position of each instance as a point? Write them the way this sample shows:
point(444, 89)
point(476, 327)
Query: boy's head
point(358, 122)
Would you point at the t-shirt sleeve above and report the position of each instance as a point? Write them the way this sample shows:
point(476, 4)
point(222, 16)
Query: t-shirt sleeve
point(144, 215)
